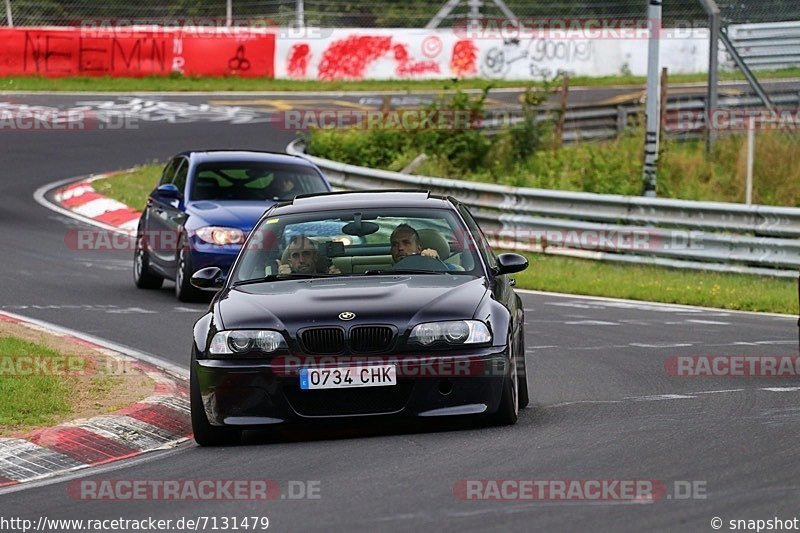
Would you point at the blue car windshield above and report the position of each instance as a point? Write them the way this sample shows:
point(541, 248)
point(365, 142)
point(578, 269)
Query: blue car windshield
point(369, 242)
point(256, 181)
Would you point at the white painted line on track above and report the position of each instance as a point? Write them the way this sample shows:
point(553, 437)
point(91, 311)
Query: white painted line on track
point(40, 196)
point(154, 360)
point(654, 304)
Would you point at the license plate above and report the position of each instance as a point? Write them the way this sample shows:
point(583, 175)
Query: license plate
point(348, 376)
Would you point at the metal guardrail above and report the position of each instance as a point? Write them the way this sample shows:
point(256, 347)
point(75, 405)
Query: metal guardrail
point(599, 122)
point(697, 235)
point(768, 46)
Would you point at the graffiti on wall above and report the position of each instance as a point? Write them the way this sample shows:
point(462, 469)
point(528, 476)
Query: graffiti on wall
point(356, 56)
point(341, 54)
point(534, 55)
point(71, 51)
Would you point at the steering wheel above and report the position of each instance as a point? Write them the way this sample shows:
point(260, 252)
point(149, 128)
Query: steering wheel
point(420, 262)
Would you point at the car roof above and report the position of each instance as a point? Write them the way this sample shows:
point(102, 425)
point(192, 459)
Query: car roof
point(215, 156)
point(362, 200)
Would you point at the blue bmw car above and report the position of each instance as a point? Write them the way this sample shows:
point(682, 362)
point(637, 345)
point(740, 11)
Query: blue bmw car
point(205, 205)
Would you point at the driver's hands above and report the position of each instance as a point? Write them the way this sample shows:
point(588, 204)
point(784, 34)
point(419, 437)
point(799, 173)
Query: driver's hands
point(283, 268)
point(334, 270)
point(430, 252)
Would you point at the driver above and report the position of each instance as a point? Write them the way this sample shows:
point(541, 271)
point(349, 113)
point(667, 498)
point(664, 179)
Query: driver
point(282, 187)
point(303, 258)
point(405, 242)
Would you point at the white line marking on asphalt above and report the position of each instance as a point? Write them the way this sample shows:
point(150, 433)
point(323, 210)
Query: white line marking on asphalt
point(156, 361)
point(664, 345)
point(95, 470)
point(659, 397)
point(781, 389)
point(717, 391)
point(590, 323)
point(40, 196)
point(654, 305)
point(709, 322)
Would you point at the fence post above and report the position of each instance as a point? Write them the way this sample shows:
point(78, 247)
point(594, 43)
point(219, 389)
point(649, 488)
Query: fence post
point(664, 95)
point(9, 15)
point(751, 156)
point(562, 117)
point(650, 169)
point(622, 119)
point(300, 14)
point(229, 14)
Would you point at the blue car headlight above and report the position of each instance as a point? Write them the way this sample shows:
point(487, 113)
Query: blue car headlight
point(220, 235)
point(242, 341)
point(454, 332)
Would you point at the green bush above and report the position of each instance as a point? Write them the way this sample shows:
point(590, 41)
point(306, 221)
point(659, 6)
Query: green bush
point(525, 155)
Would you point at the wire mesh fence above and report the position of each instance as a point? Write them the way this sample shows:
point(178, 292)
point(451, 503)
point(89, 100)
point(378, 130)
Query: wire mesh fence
point(373, 13)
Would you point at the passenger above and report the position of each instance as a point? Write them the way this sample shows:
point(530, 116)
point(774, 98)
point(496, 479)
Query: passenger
point(303, 258)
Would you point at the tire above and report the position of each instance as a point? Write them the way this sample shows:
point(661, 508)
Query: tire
point(204, 433)
point(184, 290)
point(508, 412)
point(142, 276)
point(524, 395)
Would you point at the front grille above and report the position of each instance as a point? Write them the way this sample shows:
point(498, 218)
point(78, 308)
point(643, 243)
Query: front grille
point(323, 341)
point(355, 401)
point(370, 339)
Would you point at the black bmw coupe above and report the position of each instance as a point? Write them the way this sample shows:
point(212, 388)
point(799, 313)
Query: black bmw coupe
point(381, 304)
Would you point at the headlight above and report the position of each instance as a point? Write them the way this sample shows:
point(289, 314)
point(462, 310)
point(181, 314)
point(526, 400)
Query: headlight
point(456, 332)
point(243, 341)
point(220, 235)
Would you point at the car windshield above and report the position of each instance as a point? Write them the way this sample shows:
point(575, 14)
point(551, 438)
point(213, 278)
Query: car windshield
point(258, 181)
point(364, 243)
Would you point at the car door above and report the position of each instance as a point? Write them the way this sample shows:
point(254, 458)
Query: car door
point(163, 244)
point(174, 213)
point(502, 285)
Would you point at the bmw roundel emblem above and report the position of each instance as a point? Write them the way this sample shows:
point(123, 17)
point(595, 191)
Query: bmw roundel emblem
point(347, 315)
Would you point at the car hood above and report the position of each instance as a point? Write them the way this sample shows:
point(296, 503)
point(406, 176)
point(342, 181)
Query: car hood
point(234, 214)
point(398, 300)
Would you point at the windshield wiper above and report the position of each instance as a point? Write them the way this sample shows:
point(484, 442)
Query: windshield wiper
point(401, 271)
point(278, 277)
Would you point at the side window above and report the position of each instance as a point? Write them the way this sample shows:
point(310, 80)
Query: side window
point(169, 172)
point(180, 175)
point(483, 245)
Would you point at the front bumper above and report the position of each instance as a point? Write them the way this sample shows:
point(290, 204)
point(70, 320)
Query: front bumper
point(207, 255)
point(266, 391)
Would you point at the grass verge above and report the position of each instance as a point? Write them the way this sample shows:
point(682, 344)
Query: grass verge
point(131, 187)
point(579, 276)
point(186, 84)
point(45, 380)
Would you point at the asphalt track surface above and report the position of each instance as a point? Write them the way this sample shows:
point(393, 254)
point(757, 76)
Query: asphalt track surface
point(603, 406)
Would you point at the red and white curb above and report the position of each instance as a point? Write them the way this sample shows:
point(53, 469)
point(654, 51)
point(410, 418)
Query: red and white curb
point(160, 421)
point(80, 198)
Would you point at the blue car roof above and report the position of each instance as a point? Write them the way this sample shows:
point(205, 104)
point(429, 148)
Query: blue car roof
point(214, 156)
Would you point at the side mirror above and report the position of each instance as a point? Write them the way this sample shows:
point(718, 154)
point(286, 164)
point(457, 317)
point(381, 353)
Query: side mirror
point(208, 278)
point(170, 191)
point(510, 263)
